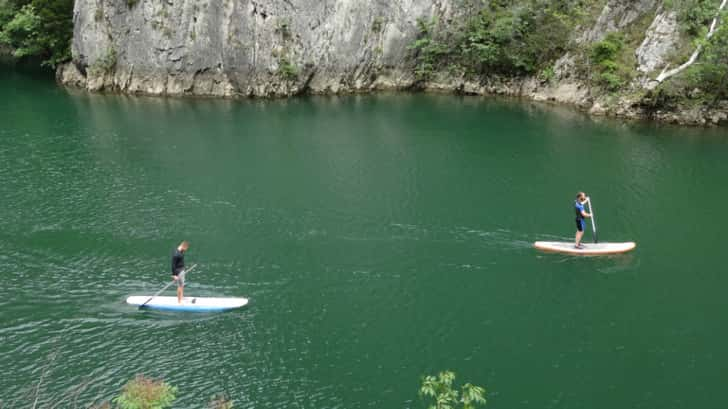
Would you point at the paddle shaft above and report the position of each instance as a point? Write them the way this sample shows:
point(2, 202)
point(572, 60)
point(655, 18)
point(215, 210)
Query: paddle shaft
point(167, 286)
point(593, 220)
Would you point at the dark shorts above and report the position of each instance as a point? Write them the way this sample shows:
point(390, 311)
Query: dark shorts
point(580, 224)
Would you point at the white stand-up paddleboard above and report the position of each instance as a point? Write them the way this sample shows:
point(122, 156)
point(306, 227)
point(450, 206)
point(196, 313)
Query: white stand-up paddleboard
point(589, 249)
point(189, 304)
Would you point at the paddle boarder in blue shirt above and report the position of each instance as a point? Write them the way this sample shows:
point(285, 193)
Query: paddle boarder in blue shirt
point(178, 268)
point(580, 215)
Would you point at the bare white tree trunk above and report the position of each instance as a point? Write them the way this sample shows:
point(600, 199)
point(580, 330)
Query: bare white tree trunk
point(667, 74)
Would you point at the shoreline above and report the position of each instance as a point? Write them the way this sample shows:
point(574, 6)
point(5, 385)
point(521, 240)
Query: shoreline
point(574, 94)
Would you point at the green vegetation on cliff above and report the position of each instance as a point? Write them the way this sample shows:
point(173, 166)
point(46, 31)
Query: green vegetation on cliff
point(610, 74)
point(524, 38)
point(712, 74)
point(694, 15)
point(146, 393)
point(705, 82)
point(519, 40)
point(502, 37)
point(37, 28)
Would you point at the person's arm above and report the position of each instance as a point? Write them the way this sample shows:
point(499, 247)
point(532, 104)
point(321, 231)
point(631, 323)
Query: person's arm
point(584, 212)
point(581, 208)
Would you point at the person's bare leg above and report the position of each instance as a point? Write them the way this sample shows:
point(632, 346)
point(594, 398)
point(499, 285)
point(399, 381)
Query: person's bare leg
point(180, 294)
point(579, 235)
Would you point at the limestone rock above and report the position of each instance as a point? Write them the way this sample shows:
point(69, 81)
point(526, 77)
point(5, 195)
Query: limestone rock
point(662, 37)
point(249, 47)
point(70, 75)
point(615, 16)
point(240, 48)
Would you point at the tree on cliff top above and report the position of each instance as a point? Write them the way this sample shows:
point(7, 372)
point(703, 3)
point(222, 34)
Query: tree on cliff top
point(38, 28)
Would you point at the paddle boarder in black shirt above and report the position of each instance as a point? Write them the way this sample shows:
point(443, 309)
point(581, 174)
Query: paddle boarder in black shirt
point(178, 268)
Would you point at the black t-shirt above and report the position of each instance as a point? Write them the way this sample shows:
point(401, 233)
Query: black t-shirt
point(178, 262)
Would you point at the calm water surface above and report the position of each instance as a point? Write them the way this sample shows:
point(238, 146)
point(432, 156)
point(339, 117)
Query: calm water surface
point(379, 238)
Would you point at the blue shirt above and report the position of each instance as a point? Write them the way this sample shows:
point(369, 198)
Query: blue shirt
point(579, 207)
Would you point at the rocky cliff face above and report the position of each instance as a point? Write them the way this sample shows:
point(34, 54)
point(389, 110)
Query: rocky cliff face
point(246, 47)
point(236, 48)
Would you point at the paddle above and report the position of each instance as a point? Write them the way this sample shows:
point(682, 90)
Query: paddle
point(167, 286)
point(594, 222)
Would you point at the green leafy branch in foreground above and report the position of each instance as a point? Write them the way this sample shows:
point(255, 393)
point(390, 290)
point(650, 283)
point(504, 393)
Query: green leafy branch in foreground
point(147, 393)
point(440, 389)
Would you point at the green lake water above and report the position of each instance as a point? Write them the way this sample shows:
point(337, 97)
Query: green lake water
point(379, 238)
